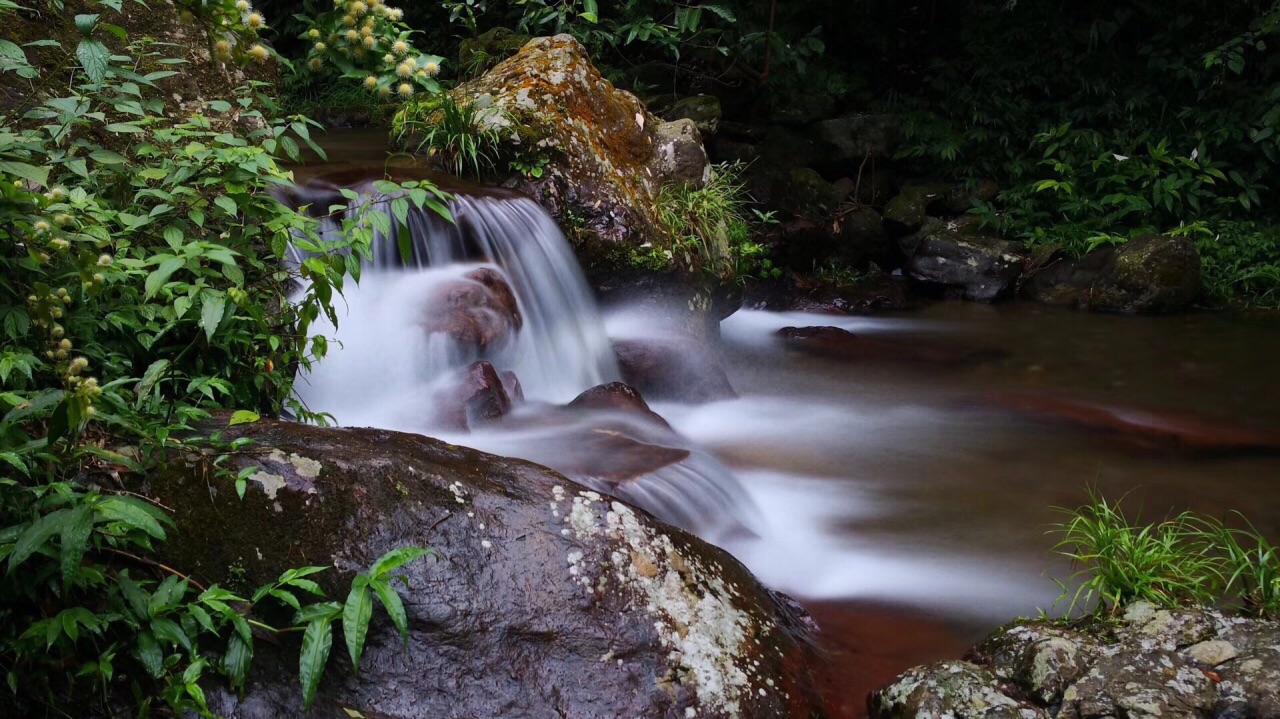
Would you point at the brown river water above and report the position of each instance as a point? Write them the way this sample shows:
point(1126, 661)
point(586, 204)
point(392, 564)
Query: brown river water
point(909, 506)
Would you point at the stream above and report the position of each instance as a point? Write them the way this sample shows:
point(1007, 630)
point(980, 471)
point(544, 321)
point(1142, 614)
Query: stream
point(907, 510)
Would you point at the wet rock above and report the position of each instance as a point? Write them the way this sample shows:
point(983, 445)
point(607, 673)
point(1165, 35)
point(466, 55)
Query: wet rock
point(906, 212)
point(511, 383)
point(723, 149)
point(680, 156)
point(1151, 274)
point(962, 197)
point(1040, 659)
point(840, 344)
point(618, 396)
point(1142, 428)
point(679, 369)
point(692, 304)
point(607, 163)
point(478, 396)
point(956, 690)
point(478, 310)
point(862, 240)
point(1137, 683)
point(976, 268)
point(853, 138)
point(804, 193)
point(543, 598)
point(703, 110)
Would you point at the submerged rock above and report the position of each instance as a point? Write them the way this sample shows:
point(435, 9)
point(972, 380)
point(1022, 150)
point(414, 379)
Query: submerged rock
point(680, 369)
point(543, 598)
point(840, 344)
point(1151, 274)
point(478, 310)
point(479, 396)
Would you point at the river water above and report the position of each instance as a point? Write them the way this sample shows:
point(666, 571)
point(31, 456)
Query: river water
point(909, 512)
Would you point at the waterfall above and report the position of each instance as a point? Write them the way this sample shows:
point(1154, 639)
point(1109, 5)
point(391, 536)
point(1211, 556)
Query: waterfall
point(412, 330)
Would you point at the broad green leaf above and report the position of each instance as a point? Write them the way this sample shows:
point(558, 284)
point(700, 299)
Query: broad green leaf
point(133, 512)
point(355, 618)
point(149, 379)
point(237, 660)
point(161, 275)
point(243, 416)
point(148, 651)
point(75, 538)
point(396, 558)
point(30, 173)
point(227, 204)
point(317, 640)
point(212, 306)
point(94, 58)
point(107, 157)
point(37, 534)
point(84, 23)
point(395, 608)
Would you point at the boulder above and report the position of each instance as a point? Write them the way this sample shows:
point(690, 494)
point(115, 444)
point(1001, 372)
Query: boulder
point(678, 369)
point(680, 158)
point(543, 598)
point(803, 109)
point(703, 110)
point(478, 310)
point(607, 161)
point(804, 193)
point(962, 197)
point(975, 267)
point(907, 211)
point(478, 395)
point(1150, 274)
point(616, 396)
point(853, 138)
point(861, 239)
point(1165, 663)
point(958, 690)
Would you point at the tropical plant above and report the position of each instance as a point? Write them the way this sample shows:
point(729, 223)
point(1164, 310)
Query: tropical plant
point(147, 275)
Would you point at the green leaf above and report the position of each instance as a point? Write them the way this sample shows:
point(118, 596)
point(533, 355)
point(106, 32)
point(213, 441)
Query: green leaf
point(161, 275)
point(355, 618)
point(149, 379)
point(148, 651)
point(85, 23)
point(395, 608)
point(37, 534)
point(107, 157)
point(35, 175)
point(237, 660)
point(94, 58)
point(75, 539)
point(243, 416)
point(212, 306)
point(396, 558)
point(135, 513)
point(227, 204)
point(317, 640)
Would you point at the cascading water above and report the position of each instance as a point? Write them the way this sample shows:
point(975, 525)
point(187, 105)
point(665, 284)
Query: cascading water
point(411, 332)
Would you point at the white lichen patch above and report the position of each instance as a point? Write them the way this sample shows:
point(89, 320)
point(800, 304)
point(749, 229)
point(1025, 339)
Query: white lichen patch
point(305, 466)
point(271, 483)
point(707, 637)
point(459, 493)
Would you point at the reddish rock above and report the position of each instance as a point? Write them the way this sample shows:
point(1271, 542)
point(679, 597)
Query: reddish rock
point(479, 396)
point(836, 343)
point(1138, 427)
point(673, 368)
point(511, 383)
point(478, 310)
point(617, 396)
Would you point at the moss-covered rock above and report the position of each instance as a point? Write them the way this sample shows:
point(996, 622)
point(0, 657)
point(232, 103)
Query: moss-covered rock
point(704, 110)
point(1152, 274)
point(607, 160)
point(476, 54)
point(543, 598)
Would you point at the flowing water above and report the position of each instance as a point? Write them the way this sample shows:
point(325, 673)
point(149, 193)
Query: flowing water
point(886, 490)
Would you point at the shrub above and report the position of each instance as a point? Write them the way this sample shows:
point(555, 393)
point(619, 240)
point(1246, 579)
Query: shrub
point(459, 137)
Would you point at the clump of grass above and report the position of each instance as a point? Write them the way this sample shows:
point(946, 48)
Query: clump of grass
point(454, 134)
point(1184, 560)
point(701, 222)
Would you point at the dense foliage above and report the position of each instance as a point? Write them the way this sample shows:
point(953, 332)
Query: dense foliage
point(1105, 121)
point(147, 276)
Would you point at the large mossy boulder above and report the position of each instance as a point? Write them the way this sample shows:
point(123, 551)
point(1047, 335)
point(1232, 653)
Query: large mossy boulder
point(973, 267)
point(1151, 274)
point(543, 598)
point(608, 156)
